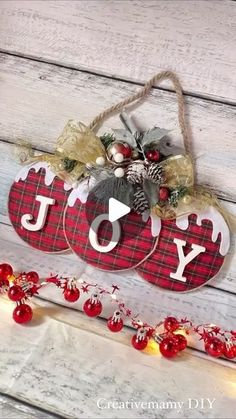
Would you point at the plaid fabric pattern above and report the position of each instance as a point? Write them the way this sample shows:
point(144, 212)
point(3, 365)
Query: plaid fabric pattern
point(135, 243)
point(22, 201)
point(164, 260)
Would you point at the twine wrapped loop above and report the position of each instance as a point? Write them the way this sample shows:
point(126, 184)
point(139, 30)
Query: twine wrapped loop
point(144, 91)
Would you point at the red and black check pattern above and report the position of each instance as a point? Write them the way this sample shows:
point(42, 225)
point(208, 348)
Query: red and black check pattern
point(164, 260)
point(22, 201)
point(135, 244)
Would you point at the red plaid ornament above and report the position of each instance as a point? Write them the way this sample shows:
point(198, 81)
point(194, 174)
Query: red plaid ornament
point(135, 244)
point(164, 261)
point(38, 180)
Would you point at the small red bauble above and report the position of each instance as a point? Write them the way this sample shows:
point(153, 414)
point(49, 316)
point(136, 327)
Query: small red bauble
point(125, 149)
point(171, 324)
point(115, 326)
point(169, 347)
point(214, 347)
point(118, 147)
point(181, 341)
point(22, 313)
point(164, 194)
point(32, 277)
point(71, 294)
point(92, 309)
point(140, 339)
point(229, 351)
point(153, 155)
point(16, 293)
point(6, 271)
point(139, 344)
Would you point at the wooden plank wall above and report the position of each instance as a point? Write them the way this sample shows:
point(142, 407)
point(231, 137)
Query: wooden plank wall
point(62, 60)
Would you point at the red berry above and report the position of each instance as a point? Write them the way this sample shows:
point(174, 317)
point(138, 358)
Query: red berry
point(139, 344)
point(71, 294)
point(115, 326)
point(22, 313)
point(153, 155)
point(92, 309)
point(171, 324)
point(32, 277)
point(164, 194)
point(16, 293)
point(6, 271)
point(169, 347)
point(230, 351)
point(181, 341)
point(214, 347)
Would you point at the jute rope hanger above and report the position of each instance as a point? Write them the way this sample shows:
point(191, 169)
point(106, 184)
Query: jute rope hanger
point(163, 75)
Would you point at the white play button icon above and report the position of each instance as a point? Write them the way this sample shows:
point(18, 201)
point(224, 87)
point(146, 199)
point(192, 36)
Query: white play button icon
point(117, 209)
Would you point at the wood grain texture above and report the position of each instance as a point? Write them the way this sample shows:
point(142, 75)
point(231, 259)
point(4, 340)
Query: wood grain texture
point(131, 40)
point(40, 98)
point(38, 369)
point(11, 408)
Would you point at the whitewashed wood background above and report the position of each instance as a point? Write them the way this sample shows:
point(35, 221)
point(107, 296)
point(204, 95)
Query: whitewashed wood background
point(61, 60)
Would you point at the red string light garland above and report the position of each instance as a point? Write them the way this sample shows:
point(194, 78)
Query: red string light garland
point(20, 288)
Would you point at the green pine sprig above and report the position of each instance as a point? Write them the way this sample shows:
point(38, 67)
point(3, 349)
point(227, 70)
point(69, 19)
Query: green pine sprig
point(107, 139)
point(69, 164)
point(176, 195)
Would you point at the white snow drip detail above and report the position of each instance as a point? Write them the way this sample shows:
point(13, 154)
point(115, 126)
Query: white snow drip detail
point(49, 175)
point(219, 226)
point(182, 222)
point(155, 225)
point(82, 191)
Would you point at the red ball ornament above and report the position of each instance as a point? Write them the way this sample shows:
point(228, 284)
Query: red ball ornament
point(115, 323)
point(164, 194)
point(140, 340)
point(118, 147)
point(171, 324)
point(16, 293)
point(214, 347)
point(181, 341)
point(125, 150)
point(6, 271)
point(92, 308)
point(169, 347)
point(71, 294)
point(23, 313)
point(153, 155)
point(32, 277)
point(229, 351)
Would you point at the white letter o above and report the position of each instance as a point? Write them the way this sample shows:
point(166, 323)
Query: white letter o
point(93, 237)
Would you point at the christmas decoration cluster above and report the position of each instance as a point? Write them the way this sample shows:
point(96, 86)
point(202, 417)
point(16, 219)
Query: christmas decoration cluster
point(142, 159)
point(170, 334)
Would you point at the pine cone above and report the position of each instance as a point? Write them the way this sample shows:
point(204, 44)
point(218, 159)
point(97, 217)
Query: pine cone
point(154, 173)
point(136, 172)
point(140, 202)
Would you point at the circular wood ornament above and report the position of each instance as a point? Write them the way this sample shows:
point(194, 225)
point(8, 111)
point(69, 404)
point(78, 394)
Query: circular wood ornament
point(190, 251)
point(36, 204)
point(117, 246)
